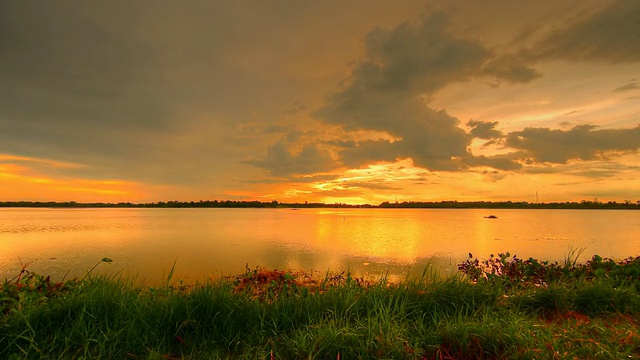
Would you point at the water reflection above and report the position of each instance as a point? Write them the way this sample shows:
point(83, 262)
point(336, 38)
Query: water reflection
point(216, 242)
point(393, 239)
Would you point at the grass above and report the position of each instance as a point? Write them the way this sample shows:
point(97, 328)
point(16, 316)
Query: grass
point(500, 308)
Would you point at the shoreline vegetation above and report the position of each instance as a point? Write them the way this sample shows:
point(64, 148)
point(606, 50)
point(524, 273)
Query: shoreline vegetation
point(592, 205)
point(499, 308)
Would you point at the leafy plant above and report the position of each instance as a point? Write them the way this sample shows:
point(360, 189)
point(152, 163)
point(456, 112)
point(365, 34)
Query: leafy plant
point(513, 271)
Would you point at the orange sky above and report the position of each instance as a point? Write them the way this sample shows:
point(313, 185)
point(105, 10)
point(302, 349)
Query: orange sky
point(358, 102)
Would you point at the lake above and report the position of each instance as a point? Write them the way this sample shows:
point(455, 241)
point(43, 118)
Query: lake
point(209, 243)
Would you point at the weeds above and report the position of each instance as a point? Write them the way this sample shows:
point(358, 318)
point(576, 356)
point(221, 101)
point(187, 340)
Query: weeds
point(29, 289)
point(513, 271)
point(511, 308)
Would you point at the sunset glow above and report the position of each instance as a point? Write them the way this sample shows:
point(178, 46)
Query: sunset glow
point(409, 100)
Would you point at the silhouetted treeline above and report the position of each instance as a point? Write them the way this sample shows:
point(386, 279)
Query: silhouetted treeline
point(275, 204)
point(161, 204)
point(176, 204)
point(512, 205)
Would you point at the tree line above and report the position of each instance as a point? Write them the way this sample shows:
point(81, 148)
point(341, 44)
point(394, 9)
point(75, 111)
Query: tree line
point(386, 205)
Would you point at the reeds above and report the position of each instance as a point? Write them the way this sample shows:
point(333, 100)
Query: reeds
point(524, 309)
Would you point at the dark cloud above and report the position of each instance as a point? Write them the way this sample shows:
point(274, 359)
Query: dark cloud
point(417, 57)
point(341, 143)
point(297, 107)
point(604, 172)
point(66, 65)
point(514, 68)
point(385, 93)
point(372, 185)
point(494, 175)
point(597, 173)
point(180, 92)
point(630, 86)
point(313, 178)
point(583, 142)
point(121, 86)
point(400, 65)
point(265, 181)
point(484, 129)
point(292, 179)
point(492, 142)
point(502, 162)
point(430, 138)
point(388, 91)
point(81, 83)
point(281, 161)
point(609, 35)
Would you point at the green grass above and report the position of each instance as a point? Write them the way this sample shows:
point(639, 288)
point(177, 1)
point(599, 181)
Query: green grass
point(577, 311)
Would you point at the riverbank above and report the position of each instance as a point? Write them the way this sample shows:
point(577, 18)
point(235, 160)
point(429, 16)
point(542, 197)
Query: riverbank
point(502, 307)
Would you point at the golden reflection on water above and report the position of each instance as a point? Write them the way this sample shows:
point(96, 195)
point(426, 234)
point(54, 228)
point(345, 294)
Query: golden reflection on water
point(205, 243)
point(361, 237)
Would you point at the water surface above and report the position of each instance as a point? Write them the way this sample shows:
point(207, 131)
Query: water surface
point(206, 243)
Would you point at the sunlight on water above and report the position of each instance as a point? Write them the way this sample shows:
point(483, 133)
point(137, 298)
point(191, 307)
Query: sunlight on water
point(209, 243)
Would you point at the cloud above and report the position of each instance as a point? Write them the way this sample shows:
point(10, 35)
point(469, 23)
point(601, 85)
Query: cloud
point(630, 86)
point(608, 35)
point(372, 185)
point(388, 91)
point(513, 68)
point(501, 162)
point(388, 88)
point(70, 64)
point(593, 170)
point(297, 107)
point(135, 92)
point(582, 142)
point(282, 161)
point(294, 179)
point(484, 129)
point(364, 183)
point(81, 84)
point(181, 93)
point(14, 159)
point(385, 93)
point(400, 65)
point(369, 151)
point(493, 176)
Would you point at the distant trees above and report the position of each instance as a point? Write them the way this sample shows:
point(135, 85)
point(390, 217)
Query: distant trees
point(584, 204)
point(627, 204)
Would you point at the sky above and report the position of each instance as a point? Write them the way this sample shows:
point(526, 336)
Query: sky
point(360, 101)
